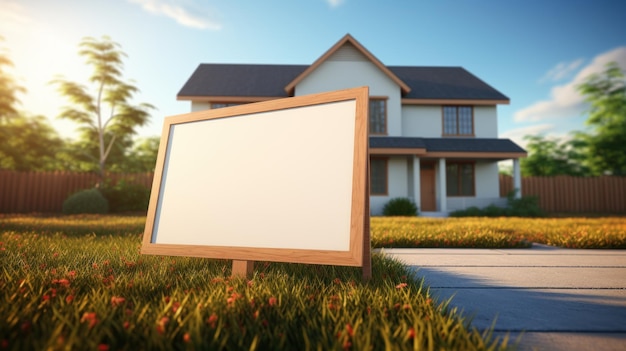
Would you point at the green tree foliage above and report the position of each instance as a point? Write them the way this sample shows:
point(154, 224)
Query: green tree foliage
point(141, 157)
point(8, 88)
point(606, 143)
point(106, 116)
point(26, 143)
point(551, 157)
point(30, 144)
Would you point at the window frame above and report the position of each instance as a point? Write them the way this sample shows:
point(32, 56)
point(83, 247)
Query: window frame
point(458, 121)
point(459, 179)
point(386, 172)
point(216, 104)
point(384, 100)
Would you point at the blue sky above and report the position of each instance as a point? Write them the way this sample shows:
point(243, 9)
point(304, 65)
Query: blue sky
point(535, 52)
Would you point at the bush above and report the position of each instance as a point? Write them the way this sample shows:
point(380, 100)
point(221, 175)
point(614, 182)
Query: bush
point(401, 206)
point(126, 197)
point(523, 207)
point(86, 201)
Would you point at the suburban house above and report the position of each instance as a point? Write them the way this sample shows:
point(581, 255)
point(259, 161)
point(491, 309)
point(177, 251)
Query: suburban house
point(433, 130)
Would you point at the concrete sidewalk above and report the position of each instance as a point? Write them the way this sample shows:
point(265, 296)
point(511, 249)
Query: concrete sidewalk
point(557, 299)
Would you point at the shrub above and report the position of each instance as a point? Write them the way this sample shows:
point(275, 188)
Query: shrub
point(527, 206)
point(126, 197)
point(86, 201)
point(400, 206)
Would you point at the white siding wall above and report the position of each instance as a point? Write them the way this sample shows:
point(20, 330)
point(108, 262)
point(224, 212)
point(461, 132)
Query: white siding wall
point(335, 75)
point(199, 106)
point(487, 179)
point(485, 122)
point(421, 121)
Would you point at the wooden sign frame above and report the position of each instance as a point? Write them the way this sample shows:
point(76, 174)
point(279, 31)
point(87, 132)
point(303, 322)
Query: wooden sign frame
point(224, 183)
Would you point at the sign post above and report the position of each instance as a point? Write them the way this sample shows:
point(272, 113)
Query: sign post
point(282, 180)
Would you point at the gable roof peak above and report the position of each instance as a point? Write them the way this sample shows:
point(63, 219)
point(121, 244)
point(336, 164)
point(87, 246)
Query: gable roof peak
point(346, 40)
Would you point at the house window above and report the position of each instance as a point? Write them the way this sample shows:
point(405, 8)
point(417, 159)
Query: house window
point(378, 176)
point(223, 104)
point(378, 116)
point(460, 179)
point(458, 120)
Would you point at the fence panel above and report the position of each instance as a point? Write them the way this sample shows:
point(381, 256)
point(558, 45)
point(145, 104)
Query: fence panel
point(566, 194)
point(27, 192)
point(44, 192)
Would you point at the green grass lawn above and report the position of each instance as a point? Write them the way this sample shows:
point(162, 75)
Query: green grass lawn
point(79, 282)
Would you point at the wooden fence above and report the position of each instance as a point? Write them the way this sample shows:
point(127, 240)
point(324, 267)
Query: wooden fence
point(28, 192)
point(565, 194)
point(42, 192)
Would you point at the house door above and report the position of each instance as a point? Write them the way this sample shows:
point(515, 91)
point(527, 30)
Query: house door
point(427, 187)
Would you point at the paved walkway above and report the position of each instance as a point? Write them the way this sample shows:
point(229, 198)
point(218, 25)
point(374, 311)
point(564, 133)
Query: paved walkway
point(556, 299)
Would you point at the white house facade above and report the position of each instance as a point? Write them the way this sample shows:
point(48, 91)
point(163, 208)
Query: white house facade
point(433, 130)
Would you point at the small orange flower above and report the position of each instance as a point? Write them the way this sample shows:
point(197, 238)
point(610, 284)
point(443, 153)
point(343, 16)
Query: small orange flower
point(69, 298)
point(91, 318)
point(162, 324)
point(401, 285)
point(272, 301)
point(349, 330)
point(117, 300)
point(186, 337)
point(410, 333)
point(212, 320)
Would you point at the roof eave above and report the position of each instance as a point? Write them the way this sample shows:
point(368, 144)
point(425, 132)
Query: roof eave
point(407, 101)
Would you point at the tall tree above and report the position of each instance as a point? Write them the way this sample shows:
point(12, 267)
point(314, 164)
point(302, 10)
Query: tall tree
point(26, 143)
point(551, 157)
point(8, 88)
point(105, 113)
point(606, 142)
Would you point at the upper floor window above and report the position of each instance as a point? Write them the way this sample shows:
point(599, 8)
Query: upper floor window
point(458, 120)
point(223, 104)
point(378, 116)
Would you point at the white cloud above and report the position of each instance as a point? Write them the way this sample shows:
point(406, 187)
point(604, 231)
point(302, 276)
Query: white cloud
point(518, 134)
point(561, 71)
point(335, 3)
point(180, 13)
point(565, 100)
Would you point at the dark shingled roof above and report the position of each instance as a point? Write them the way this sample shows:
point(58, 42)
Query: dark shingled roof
point(242, 80)
point(445, 83)
point(448, 144)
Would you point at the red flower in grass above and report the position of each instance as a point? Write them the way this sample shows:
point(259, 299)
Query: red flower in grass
point(90, 318)
point(410, 334)
point(349, 330)
point(401, 285)
point(103, 347)
point(69, 298)
point(272, 301)
point(117, 300)
point(186, 337)
point(62, 282)
point(162, 324)
point(212, 320)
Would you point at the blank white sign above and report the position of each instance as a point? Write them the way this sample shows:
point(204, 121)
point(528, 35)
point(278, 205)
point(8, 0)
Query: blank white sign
point(282, 175)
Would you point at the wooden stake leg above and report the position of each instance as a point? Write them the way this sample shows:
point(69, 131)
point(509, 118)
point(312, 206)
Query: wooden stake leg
point(243, 269)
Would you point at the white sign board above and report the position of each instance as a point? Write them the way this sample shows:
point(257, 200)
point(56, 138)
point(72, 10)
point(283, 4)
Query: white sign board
point(281, 180)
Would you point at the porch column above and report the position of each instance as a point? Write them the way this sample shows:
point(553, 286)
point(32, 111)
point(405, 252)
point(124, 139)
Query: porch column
point(441, 180)
point(517, 178)
point(417, 195)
